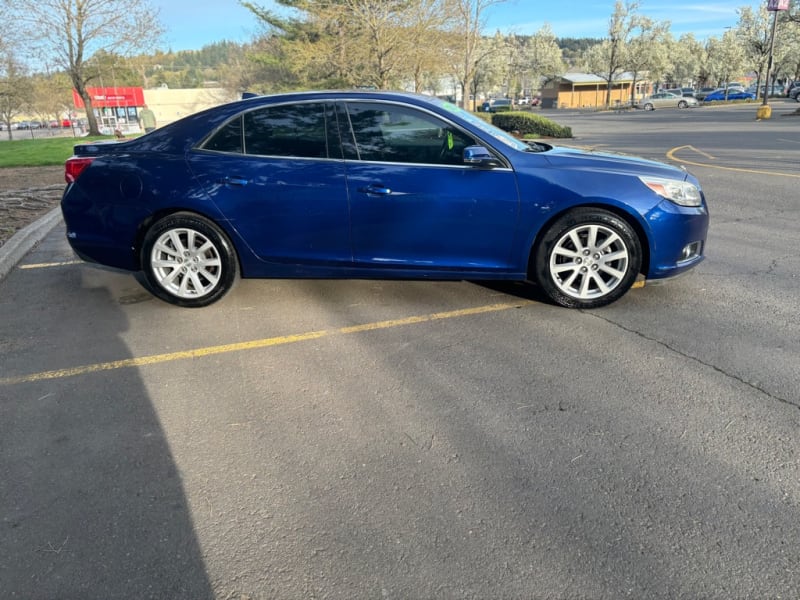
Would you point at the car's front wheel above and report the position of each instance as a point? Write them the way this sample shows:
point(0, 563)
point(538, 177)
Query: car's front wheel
point(188, 261)
point(683, 104)
point(649, 106)
point(587, 258)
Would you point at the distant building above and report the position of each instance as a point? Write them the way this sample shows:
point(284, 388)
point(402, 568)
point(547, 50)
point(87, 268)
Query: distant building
point(118, 107)
point(586, 90)
point(171, 105)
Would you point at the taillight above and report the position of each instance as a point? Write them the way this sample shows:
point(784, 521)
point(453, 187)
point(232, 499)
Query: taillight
point(75, 166)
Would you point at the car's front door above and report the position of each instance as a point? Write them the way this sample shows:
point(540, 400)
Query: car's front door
point(414, 204)
point(277, 175)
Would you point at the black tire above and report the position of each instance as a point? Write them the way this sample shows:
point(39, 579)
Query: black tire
point(649, 106)
point(683, 104)
point(188, 261)
point(587, 258)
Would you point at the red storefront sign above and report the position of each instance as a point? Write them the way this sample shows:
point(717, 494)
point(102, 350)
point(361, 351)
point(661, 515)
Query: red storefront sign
point(103, 97)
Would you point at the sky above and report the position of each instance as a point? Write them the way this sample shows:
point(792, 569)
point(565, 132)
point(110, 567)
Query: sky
point(192, 24)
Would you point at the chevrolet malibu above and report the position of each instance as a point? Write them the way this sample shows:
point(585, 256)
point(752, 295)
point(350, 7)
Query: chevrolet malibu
point(366, 184)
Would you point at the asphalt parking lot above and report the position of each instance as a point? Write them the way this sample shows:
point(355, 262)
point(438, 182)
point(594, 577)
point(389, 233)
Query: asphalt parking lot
point(378, 439)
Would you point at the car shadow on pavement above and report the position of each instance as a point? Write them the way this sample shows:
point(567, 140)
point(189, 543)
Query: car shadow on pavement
point(92, 501)
point(525, 290)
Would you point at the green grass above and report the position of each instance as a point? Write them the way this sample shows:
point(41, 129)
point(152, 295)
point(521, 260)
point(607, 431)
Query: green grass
point(40, 152)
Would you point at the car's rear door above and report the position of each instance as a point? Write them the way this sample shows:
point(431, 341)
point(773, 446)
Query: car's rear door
point(277, 175)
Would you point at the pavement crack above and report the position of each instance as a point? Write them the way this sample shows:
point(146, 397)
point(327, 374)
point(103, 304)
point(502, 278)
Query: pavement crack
point(696, 359)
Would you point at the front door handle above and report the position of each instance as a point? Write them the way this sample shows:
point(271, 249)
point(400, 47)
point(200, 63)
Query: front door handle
point(234, 181)
point(375, 190)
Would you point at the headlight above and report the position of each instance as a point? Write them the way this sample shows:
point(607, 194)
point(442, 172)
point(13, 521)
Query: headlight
point(675, 190)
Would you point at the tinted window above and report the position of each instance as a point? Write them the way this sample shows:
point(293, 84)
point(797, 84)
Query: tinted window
point(227, 139)
point(390, 133)
point(288, 130)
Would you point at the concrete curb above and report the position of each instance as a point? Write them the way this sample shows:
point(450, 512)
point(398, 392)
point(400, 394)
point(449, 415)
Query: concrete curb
point(25, 239)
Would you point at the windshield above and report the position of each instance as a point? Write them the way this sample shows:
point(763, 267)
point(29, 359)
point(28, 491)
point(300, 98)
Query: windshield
point(491, 130)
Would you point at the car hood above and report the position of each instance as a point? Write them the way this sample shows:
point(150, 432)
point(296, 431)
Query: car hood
point(585, 160)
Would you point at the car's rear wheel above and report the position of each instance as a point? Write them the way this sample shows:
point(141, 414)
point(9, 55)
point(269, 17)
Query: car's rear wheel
point(188, 261)
point(649, 106)
point(587, 258)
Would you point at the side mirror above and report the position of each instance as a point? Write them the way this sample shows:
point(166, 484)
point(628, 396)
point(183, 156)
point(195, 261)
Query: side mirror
point(478, 156)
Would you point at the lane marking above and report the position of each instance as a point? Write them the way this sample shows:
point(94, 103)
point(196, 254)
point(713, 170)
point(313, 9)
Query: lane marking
point(256, 344)
point(671, 156)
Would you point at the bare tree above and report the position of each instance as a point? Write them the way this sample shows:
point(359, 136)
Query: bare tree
point(68, 33)
point(467, 20)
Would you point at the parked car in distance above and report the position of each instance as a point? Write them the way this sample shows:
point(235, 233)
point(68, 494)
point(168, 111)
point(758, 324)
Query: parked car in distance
point(732, 94)
point(775, 90)
point(498, 105)
point(703, 92)
point(794, 93)
point(687, 91)
point(665, 100)
point(372, 184)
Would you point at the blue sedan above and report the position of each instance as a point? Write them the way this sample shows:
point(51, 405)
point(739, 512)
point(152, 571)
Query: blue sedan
point(733, 94)
point(369, 184)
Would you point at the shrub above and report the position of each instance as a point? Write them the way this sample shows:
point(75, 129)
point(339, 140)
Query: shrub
point(528, 125)
point(484, 115)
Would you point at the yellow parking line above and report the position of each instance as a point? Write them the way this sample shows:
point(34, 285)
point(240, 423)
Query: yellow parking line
point(52, 264)
point(671, 156)
point(706, 154)
point(255, 344)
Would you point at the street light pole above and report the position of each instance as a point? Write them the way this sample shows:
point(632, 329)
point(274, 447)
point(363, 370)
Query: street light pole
point(769, 60)
point(773, 6)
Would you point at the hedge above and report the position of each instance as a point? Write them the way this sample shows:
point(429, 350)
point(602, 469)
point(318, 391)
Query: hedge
point(530, 125)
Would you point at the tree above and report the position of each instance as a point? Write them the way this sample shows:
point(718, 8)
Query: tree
point(608, 59)
point(492, 71)
point(544, 59)
point(647, 51)
point(333, 43)
point(725, 57)
point(754, 30)
point(787, 50)
point(68, 33)
point(425, 38)
point(687, 56)
point(52, 98)
point(466, 22)
point(16, 89)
